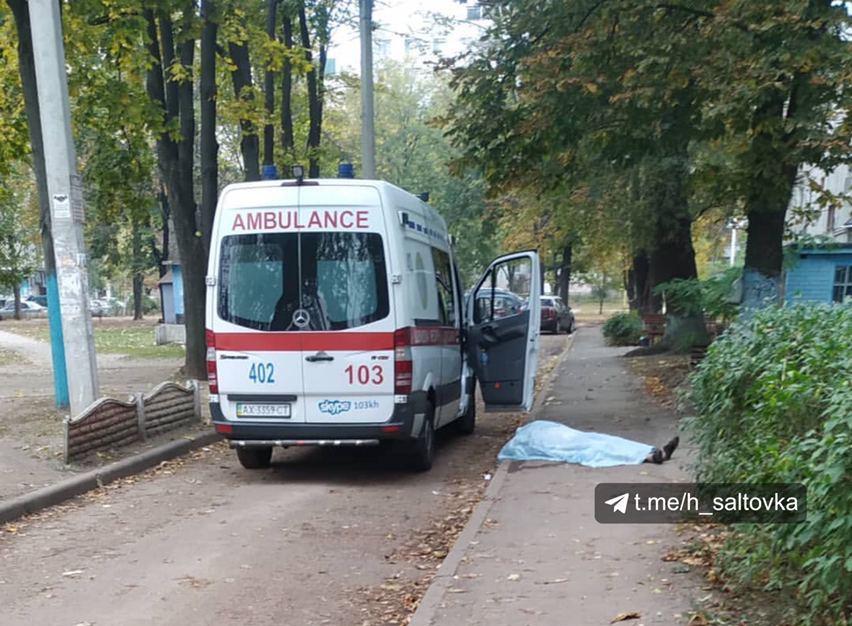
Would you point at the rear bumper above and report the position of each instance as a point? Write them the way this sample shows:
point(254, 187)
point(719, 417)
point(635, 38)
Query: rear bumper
point(548, 325)
point(405, 423)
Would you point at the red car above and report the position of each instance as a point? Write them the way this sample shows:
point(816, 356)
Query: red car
point(556, 316)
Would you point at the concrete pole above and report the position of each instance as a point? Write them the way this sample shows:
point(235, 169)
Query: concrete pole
point(368, 134)
point(66, 203)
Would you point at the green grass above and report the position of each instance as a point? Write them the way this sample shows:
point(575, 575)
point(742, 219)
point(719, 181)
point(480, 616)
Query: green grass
point(135, 341)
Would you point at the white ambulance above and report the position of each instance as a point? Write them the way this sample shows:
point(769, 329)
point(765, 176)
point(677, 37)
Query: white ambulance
point(334, 317)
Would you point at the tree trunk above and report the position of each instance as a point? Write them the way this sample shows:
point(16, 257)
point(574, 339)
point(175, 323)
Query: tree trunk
point(209, 149)
point(761, 279)
point(641, 299)
point(241, 77)
point(269, 89)
point(26, 68)
point(673, 255)
point(565, 272)
point(287, 139)
point(137, 265)
point(161, 255)
point(16, 290)
point(675, 258)
point(175, 162)
point(314, 102)
point(766, 204)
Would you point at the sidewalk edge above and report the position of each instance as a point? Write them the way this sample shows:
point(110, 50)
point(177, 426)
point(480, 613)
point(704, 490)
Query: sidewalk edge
point(431, 600)
point(65, 490)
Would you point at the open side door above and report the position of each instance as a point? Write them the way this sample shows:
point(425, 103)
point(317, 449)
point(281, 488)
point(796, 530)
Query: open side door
point(504, 313)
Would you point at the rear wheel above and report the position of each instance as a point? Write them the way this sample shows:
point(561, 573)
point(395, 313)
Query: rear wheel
point(423, 448)
point(467, 422)
point(254, 458)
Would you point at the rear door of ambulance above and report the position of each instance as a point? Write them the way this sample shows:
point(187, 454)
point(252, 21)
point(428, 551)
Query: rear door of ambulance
point(348, 338)
point(257, 350)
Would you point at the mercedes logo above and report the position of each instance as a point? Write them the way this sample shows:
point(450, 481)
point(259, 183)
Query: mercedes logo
point(301, 318)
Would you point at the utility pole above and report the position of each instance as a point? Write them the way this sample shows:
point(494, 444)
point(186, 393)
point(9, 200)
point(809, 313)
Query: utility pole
point(368, 134)
point(66, 203)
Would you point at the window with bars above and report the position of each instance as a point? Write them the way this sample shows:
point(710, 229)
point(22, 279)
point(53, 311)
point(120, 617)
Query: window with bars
point(842, 283)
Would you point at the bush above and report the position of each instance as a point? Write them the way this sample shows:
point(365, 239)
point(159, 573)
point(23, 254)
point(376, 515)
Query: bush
point(691, 296)
point(623, 329)
point(773, 401)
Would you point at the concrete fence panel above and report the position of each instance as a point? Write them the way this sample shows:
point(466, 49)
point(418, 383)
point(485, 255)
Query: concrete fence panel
point(106, 423)
point(169, 406)
point(110, 423)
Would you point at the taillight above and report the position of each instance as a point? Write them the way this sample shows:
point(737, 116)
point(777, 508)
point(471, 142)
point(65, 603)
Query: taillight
point(403, 366)
point(212, 374)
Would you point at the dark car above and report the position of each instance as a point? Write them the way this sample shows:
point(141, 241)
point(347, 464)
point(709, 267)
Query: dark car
point(42, 300)
point(556, 316)
point(505, 303)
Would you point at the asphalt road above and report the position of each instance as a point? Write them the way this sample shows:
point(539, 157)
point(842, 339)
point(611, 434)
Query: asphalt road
point(323, 537)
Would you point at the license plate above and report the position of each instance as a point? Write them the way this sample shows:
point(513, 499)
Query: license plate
point(245, 409)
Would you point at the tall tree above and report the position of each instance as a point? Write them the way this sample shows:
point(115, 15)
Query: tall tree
point(269, 87)
point(778, 92)
point(169, 85)
point(209, 146)
point(244, 93)
point(593, 96)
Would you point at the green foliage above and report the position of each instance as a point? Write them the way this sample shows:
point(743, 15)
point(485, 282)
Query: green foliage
point(412, 152)
point(694, 297)
point(17, 250)
point(773, 402)
point(623, 329)
point(683, 296)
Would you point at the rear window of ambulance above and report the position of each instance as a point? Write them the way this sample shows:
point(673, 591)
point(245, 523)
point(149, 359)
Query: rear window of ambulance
point(338, 278)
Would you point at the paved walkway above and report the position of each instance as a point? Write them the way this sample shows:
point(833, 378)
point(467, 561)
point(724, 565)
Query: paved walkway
point(539, 557)
point(31, 426)
point(36, 352)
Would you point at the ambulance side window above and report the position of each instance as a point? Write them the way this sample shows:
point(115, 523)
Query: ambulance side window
point(444, 284)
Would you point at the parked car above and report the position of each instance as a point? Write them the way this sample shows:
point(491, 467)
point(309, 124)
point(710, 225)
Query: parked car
point(28, 310)
point(506, 303)
point(556, 316)
point(41, 300)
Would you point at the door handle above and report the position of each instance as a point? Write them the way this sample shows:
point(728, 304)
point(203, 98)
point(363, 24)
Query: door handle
point(319, 356)
point(488, 336)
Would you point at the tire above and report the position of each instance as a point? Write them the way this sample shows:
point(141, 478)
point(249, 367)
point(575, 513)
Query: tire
point(423, 448)
point(254, 458)
point(467, 422)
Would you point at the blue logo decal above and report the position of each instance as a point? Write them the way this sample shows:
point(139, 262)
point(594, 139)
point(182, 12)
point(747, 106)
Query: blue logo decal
point(335, 407)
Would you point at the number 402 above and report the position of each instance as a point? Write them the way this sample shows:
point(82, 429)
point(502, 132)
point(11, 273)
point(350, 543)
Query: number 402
point(262, 373)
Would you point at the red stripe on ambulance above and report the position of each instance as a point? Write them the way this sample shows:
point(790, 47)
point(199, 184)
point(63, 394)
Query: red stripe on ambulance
point(330, 341)
point(304, 340)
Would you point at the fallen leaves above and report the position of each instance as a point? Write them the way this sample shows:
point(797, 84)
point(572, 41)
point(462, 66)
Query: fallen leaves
point(623, 617)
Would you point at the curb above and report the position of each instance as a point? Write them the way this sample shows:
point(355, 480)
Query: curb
point(434, 595)
point(67, 489)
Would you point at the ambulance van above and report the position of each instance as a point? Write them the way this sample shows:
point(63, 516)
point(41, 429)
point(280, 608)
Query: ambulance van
point(334, 317)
